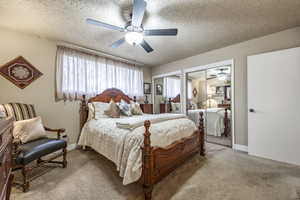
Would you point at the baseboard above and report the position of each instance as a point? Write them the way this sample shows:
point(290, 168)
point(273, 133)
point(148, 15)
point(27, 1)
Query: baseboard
point(240, 147)
point(71, 147)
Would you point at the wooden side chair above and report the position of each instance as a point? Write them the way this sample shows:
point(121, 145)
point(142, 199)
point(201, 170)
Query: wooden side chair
point(24, 154)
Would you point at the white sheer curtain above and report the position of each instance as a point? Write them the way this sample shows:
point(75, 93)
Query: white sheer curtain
point(78, 74)
point(171, 87)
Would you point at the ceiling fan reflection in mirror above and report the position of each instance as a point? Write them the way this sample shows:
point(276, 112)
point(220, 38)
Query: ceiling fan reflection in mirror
point(134, 29)
point(222, 74)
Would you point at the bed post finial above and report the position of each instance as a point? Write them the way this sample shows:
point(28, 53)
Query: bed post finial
point(147, 141)
point(226, 123)
point(201, 136)
point(169, 107)
point(147, 162)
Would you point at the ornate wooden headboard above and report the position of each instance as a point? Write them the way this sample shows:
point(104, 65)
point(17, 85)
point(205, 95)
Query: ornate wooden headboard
point(105, 96)
point(176, 99)
point(108, 94)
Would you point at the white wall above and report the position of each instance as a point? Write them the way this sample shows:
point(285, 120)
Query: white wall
point(239, 52)
point(41, 54)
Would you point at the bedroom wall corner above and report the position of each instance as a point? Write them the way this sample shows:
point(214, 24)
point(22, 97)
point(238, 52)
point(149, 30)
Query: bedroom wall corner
point(41, 54)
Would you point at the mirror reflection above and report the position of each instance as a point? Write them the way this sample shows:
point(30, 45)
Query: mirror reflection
point(167, 94)
point(209, 91)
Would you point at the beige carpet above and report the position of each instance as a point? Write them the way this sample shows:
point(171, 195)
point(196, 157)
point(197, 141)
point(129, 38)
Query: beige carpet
point(223, 175)
point(224, 141)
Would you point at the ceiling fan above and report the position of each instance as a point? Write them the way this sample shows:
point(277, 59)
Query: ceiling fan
point(222, 71)
point(221, 74)
point(211, 76)
point(134, 29)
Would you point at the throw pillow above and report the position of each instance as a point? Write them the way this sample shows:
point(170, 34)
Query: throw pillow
point(136, 108)
point(28, 130)
point(91, 111)
point(175, 107)
point(125, 108)
point(113, 110)
point(100, 107)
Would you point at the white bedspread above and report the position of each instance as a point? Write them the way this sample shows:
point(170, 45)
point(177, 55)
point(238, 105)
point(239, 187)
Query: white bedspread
point(214, 119)
point(123, 146)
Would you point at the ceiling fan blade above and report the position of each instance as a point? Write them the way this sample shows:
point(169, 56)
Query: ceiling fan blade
point(118, 43)
point(146, 46)
point(211, 78)
point(139, 7)
point(161, 32)
point(102, 24)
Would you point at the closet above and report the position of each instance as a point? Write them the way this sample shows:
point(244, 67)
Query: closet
point(209, 91)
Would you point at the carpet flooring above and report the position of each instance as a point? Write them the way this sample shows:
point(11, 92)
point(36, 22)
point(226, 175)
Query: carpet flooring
point(224, 141)
point(223, 175)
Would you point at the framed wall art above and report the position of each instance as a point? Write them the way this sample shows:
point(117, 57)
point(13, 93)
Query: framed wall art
point(159, 89)
point(147, 88)
point(20, 72)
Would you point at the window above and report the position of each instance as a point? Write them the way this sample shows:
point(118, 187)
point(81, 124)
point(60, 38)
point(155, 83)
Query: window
point(171, 87)
point(80, 74)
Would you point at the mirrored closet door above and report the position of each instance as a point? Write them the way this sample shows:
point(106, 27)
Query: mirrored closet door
point(209, 91)
point(167, 94)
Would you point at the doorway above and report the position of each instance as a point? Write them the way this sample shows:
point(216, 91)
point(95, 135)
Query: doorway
point(273, 104)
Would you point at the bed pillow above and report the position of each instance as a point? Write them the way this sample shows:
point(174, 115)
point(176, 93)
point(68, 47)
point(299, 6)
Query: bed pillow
point(135, 108)
point(100, 107)
point(175, 107)
point(91, 112)
point(125, 108)
point(113, 110)
point(29, 129)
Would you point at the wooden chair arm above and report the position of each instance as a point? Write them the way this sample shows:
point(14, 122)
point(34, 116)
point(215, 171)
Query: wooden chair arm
point(58, 131)
point(15, 145)
point(16, 142)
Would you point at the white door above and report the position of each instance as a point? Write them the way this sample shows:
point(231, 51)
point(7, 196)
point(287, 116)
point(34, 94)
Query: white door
point(274, 105)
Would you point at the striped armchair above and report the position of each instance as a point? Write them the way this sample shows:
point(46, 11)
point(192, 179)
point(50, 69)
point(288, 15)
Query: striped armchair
point(23, 154)
point(18, 111)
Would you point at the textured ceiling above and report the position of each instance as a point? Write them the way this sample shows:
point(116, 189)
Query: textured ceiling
point(203, 24)
point(202, 75)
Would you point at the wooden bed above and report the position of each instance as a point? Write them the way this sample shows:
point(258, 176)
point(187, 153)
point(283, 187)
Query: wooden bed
point(157, 162)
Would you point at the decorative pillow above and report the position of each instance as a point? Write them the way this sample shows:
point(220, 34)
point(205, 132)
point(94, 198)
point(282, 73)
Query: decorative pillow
point(125, 108)
point(175, 107)
point(29, 129)
point(135, 108)
point(91, 111)
point(100, 107)
point(113, 110)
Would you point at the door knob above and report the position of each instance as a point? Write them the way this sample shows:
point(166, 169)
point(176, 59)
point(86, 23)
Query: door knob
point(251, 110)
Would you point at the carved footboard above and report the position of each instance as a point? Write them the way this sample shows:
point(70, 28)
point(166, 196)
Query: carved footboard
point(159, 162)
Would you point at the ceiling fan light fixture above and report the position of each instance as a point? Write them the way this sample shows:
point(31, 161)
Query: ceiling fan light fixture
point(222, 78)
point(134, 38)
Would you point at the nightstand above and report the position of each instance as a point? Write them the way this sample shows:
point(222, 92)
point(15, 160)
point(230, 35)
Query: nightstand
point(147, 108)
point(164, 108)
